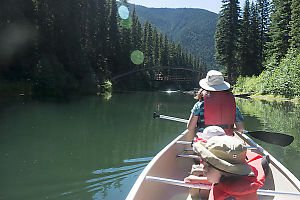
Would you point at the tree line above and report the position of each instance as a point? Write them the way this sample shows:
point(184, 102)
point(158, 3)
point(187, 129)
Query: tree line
point(76, 46)
point(261, 41)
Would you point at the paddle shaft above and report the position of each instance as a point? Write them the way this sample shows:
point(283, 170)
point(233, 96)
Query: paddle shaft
point(170, 118)
point(269, 137)
point(208, 187)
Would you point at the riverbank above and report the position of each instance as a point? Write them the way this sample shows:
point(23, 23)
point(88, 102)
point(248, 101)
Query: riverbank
point(248, 95)
point(272, 97)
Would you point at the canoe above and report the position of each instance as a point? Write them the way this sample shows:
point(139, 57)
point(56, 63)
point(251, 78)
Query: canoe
point(280, 183)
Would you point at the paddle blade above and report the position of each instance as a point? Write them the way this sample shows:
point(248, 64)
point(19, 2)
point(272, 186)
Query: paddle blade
point(273, 138)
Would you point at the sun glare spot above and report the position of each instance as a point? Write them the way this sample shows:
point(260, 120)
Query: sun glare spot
point(123, 12)
point(170, 91)
point(137, 57)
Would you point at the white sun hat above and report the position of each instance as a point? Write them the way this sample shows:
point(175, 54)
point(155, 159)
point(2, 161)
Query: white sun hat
point(214, 81)
point(211, 131)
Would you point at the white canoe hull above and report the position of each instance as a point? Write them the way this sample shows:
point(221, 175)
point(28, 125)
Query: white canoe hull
point(166, 164)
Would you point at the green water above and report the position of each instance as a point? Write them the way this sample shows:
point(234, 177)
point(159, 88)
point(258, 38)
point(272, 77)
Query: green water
point(92, 148)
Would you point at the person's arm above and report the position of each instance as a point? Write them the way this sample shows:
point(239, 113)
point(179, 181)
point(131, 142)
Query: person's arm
point(240, 126)
point(239, 121)
point(196, 179)
point(191, 126)
point(195, 112)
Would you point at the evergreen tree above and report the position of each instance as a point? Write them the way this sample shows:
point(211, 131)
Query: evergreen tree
point(112, 43)
point(99, 32)
point(279, 28)
point(136, 31)
point(254, 42)
point(295, 25)
point(146, 43)
point(156, 49)
point(125, 40)
point(172, 54)
point(165, 51)
point(263, 7)
point(245, 63)
point(179, 61)
point(226, 37)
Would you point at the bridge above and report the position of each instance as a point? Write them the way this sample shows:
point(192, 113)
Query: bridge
point(178, 78)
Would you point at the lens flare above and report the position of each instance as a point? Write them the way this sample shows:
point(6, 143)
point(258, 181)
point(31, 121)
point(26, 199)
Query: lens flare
point(137, 57)
point(123, 12)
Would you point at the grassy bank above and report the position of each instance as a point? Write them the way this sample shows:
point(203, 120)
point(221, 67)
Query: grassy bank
point(276, 81)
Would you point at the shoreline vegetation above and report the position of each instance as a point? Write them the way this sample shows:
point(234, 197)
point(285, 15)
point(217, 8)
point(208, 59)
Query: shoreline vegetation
point(256, 96)
point(279, 80)
point(277, 98)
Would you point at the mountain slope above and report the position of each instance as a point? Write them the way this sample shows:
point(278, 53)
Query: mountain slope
point(193, 28)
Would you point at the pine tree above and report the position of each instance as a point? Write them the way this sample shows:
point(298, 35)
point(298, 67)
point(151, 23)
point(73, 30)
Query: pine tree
point(295, 25)
point(179, 61)
point(254, 42)
point(165, 51)
point(99, 33)
point(280, 29)
point(145, 43)
point(156, 50)
point(244, 43)
point(112, 43)
point(226, 37)
point(136, 31)
point(172, 54)
point(263, 7)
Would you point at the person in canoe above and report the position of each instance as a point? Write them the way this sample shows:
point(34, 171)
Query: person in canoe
point(215, 106)
point(235, 173)
point(196, 173)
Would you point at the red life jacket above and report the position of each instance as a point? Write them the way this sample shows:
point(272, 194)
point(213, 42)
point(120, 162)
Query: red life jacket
point(220, 110)
point(244, 188)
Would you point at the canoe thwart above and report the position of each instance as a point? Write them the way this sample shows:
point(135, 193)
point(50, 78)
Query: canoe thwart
point(189, 156)
point(177, 182)
point(208, 187)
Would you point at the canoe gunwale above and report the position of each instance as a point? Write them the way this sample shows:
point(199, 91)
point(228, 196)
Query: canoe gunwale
point(288, 175)
point(142, 176)
point(280, 170)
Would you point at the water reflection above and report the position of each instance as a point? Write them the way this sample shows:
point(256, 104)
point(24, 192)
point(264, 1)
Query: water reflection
point(92, 148)
point(112, 176)
point(278, 117)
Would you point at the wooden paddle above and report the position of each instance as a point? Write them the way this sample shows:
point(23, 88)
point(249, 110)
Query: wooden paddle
point(265, 136)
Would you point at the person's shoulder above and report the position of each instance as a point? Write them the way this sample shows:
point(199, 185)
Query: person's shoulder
point(198, 103)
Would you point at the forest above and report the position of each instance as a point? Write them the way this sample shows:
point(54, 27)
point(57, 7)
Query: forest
point(259, 46)
point(78, 47)
point(194, 31)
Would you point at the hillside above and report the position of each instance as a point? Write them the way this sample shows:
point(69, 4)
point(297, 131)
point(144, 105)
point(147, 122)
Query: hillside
point(193, 28)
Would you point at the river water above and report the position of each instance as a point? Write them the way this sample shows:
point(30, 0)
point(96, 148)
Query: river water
point(96, 147)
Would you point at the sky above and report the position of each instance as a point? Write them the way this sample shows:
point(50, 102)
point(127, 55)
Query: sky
point(211, 5)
